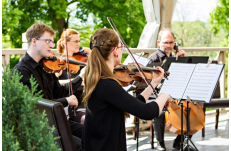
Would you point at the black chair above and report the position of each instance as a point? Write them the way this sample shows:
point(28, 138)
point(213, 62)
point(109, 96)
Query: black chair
point(57, 117)
point(215, 103)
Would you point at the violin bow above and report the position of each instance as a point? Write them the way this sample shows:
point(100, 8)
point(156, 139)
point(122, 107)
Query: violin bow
point(133, 58)
point(68, 70)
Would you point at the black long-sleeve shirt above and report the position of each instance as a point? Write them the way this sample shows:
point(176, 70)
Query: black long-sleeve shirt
point(158, 56)
point(104, 127)
point(48, 82)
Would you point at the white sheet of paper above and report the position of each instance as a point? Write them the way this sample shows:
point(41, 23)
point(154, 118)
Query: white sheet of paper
point(142, 60)
point(203, 82)
point(180, 74)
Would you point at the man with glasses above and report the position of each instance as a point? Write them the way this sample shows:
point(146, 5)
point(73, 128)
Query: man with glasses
point(40, 39)
point(166, 42)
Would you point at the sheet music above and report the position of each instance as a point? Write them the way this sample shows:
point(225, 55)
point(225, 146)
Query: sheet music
point(203, 82)
point(142, 60)
point(180, 74)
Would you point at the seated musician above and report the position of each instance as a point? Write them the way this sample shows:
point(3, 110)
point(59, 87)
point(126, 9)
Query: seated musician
point(107, 102)
point(73, 45)
point(166, 42)
point(40, 39)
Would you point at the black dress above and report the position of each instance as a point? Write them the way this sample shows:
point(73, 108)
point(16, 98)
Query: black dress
point(104, 127)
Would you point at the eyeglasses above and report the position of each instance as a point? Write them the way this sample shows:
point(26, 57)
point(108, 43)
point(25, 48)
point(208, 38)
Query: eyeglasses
point(171, 42)
point(76, 41)
point(48, 41)
point(122, 48)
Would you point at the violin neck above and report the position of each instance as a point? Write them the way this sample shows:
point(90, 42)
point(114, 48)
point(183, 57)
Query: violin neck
point(76, 62)
point(145, 69)
point(136, 69)
point(81, 53)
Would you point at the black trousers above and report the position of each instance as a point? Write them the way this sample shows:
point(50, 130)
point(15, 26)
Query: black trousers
point(76, 131)
point(159, 125)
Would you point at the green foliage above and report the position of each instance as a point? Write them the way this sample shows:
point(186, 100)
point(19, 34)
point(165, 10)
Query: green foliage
point(219, 18)
point(6, 41)
point(9, 140)
point(14, 59)
point(86, 31)
point(19, 15)
point(197, 34)
point(24, 128)
point(127, 15)
point(124, 56)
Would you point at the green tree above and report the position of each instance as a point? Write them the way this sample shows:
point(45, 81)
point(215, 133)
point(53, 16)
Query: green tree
point(23, 127)
point(57, 13)
point(86, 31)
point(197, 34)
point(127, 15)
point(10, 20)
point(219, 19)
point(20, 15)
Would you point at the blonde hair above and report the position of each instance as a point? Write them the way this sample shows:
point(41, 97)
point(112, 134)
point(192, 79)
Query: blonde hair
point(101, 44)
point(70, 32)
point(37, 30)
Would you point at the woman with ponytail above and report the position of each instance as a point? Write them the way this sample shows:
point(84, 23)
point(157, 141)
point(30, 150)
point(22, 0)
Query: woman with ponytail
point(105, 99)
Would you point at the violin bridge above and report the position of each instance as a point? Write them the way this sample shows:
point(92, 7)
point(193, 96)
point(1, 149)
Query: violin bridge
point(189, 99)
point(130, 67)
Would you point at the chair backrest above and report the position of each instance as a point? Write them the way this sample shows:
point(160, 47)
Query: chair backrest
point(57, 117)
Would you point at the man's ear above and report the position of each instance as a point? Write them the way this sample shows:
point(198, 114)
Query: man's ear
point(33, 41)
point(158, 42)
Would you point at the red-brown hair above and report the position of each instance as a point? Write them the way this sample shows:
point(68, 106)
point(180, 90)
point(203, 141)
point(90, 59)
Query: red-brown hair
point(70, 32)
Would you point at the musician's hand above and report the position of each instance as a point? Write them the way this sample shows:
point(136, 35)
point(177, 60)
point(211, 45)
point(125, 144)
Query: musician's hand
point(72, 101)
point(157, 77)
point(181, 53)
point(82, 72)
point(58, 74)
point(167, 102)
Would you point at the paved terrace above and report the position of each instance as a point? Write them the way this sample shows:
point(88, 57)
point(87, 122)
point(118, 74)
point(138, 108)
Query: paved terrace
point(214, 140)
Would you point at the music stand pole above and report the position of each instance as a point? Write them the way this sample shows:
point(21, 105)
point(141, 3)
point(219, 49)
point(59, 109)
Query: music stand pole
point(137, 130)
point(186, 143)
point(182, 135)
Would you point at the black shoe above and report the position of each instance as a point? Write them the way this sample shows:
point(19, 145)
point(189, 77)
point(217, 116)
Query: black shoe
point(176, 144)
point(161, 146)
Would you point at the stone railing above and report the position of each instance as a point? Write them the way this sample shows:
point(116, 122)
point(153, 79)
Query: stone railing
point(221, 57)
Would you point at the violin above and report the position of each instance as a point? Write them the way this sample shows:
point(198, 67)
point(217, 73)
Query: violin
point(126, 74)
point(133, 58)
point(54, 64)
point(82, 55)
point(173, 120)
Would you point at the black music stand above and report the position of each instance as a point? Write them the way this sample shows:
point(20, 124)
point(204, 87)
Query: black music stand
point(189, 59)
point(184, 145)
